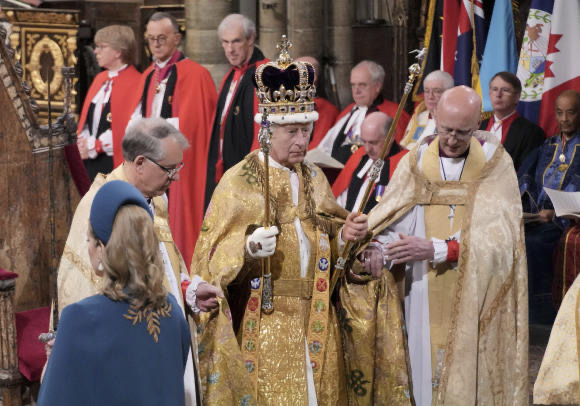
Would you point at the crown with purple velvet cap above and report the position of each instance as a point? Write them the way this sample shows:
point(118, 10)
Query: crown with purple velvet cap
point(285, 89)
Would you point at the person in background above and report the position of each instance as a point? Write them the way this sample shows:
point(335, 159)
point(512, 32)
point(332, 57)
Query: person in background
point(183, 92)
point(518, 135)
point(422, 123)
point(128, 344)
point(107, 107)
point(555, 165)
point(327, 112)
point(352, 182)
point(234, 132)
point(366, 81)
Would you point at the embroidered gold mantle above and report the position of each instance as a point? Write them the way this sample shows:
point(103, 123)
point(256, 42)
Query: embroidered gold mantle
point(237, 207)
point(486, 358)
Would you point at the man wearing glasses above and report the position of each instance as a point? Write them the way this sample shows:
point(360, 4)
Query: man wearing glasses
point(518, 135)
point(366, 82)
point(422, 123)
point(153, 151)
point(452, 215)
point(182, 92)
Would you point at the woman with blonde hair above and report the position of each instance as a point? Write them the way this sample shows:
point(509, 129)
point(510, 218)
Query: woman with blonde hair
point(107, 106)
point(129, 344)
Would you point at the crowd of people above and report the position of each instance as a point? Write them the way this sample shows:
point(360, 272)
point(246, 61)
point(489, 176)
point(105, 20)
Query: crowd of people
point(199, 265)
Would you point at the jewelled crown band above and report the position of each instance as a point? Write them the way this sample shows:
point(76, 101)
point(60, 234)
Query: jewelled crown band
point(285, 89)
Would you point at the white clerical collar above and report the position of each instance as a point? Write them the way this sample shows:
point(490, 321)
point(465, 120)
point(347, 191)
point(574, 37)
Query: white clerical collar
point(274, 164)
point(162, 64)
point(114, 73)
point(497, 120)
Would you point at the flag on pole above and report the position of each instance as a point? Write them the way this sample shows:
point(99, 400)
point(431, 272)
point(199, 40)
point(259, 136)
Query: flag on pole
point(449, 35)
point(464, 48)
point(481, 26)
point(562, 70)
point(533, 58)
point(500, 49)
point(433, 38)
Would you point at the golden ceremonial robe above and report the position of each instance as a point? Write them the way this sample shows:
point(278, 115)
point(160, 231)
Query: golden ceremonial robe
point(557, 381)
point(478, 310)
point(273, 346)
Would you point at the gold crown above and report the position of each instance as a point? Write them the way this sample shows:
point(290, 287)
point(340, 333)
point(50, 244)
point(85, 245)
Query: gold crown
point(286, 88)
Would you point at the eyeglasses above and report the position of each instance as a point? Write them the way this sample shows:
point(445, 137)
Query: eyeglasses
point(433, 92)
point(505, 90)
point(160, 39)
point(458, 134)
point(171, 172)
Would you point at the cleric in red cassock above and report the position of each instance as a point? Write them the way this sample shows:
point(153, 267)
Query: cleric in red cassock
point(234, 133)
point(366, 81)
point(183, 92)
point(327, 112)
point(352, 182)
point(106, 110)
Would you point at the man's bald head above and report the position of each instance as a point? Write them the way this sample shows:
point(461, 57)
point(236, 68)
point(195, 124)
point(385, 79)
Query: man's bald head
point(312, 60)
point(462, 101)
point(374, 130)
point(457, 116)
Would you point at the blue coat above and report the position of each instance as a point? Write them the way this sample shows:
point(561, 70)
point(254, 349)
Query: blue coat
point(101, 358)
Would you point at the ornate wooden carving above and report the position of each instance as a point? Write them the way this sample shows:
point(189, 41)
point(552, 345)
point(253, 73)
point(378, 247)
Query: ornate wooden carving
point(44, 42)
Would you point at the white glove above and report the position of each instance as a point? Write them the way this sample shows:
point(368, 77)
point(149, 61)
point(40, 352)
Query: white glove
point(106, 139)
point(262, 242)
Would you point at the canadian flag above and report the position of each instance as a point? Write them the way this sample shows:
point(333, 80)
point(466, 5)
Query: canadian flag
point(563, 60)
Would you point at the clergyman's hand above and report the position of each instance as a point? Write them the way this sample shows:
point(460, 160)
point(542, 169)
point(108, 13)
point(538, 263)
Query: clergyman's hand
point(83, 147)
point(410, 249)
point(356, 227)
point(206, 296)
point(372, 260)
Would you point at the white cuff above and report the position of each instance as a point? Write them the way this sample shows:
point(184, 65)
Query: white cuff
point(190, 293)
point(440, 254)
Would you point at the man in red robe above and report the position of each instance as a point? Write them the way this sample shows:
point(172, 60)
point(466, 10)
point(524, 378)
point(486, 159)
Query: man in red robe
point(366, 81)
point(352, 182)
point(183, 92)
point(327, 112)
point(234, 133)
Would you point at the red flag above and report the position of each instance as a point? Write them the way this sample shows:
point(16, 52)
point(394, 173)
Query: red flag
point(562, 62)
point(449, 35)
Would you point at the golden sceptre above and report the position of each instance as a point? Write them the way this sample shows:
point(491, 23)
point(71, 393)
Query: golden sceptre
point(375, 172)
point(264, 137)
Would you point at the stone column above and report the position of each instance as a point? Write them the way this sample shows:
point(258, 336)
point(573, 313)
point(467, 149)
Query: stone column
point(341, 14)
point(305, 27)
point(203, 45)
point(272, 17)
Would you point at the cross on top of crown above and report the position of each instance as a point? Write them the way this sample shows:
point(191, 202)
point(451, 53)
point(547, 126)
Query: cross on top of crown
point(283, 46)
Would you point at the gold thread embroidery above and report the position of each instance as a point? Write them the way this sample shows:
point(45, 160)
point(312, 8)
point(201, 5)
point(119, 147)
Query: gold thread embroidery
point(77, 261)
point(151, 316)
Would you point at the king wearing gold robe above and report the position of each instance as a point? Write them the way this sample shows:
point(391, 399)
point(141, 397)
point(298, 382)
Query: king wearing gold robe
point(286, 335)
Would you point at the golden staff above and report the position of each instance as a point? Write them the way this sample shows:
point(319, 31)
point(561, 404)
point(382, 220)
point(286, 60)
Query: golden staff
point(264, 137)
point(375, 172)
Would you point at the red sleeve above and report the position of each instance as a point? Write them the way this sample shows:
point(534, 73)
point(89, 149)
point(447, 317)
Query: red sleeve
point(196, 94)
